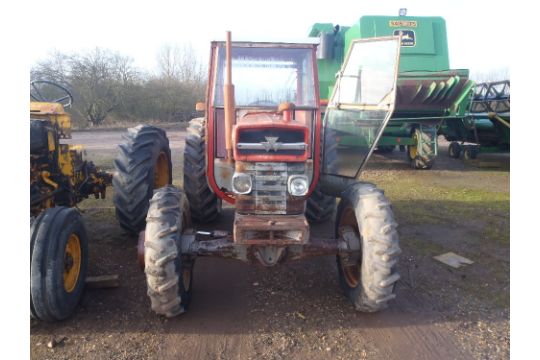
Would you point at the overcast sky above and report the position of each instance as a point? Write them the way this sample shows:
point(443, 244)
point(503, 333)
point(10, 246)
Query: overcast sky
point(475, 29)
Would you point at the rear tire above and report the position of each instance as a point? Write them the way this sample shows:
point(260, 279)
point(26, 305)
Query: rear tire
point(142, 165)
point(319, 207)
point(168, 276)
point(205, 206)
point(58, 263)
point(369, 284)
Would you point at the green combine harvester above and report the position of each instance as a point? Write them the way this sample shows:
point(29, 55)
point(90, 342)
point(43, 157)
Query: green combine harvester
point(429, 94)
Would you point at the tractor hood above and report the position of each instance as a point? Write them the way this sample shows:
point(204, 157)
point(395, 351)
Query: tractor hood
point(267, 136)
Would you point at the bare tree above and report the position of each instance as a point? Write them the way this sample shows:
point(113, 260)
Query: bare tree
point(179, 63)
point(100, 77)
point(107, 85)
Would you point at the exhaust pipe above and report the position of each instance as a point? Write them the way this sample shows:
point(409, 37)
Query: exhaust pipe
point(228, 96)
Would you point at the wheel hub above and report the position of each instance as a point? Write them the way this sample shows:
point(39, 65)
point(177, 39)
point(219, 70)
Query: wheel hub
point(72, 262)
point(351, 273)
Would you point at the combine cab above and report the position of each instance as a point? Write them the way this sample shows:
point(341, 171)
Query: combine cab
point(263, 147)
point(428, 92)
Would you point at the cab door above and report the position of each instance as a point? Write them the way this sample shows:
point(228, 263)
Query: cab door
point(361, 105)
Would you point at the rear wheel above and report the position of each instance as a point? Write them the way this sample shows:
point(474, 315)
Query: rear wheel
point(369, 281)
point(143, 164)
point(319, 207)
point(168, 275)
point(205, 206)
point(58, 263)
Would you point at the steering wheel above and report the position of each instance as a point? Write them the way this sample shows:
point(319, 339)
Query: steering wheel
point(48, 91)
point(263, 103)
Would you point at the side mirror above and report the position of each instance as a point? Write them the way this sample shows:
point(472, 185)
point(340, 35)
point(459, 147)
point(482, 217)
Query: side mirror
point(200, 106)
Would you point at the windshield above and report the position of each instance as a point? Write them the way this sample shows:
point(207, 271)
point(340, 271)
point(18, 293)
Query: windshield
point(264, 76)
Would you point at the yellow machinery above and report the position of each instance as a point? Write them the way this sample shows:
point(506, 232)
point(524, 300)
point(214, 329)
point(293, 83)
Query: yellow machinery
point(59, 179)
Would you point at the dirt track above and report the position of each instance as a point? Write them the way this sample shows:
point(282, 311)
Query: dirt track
point(297, 310)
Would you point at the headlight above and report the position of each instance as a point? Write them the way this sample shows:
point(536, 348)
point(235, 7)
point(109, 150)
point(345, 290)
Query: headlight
point(241, 183)
point(298, 185)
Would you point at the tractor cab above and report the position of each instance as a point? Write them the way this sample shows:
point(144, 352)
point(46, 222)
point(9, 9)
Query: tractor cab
point(274, 123)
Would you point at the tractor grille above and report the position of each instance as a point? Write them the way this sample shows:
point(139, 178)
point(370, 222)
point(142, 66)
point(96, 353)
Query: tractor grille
point(269, 194)
point(271, 141)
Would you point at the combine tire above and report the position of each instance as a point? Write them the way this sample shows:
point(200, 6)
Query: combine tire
point(58, 263)
point(421, 160)
point(168, 276)
point(370, 283)
point(143, 164)
point(454, 150)
point(204, 204)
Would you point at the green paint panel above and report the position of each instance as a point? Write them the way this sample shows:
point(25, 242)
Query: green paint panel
point(428, 51)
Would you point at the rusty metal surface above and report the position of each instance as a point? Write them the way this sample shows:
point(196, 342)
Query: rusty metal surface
point(269, 194)
point(270, 230)
point(268, 252)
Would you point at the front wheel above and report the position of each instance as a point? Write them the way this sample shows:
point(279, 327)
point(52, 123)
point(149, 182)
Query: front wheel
point(168, 275)
point(58, 263)
point(422, 154)
point(369, 282)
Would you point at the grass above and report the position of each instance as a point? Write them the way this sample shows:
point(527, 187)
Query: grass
point(417, 201)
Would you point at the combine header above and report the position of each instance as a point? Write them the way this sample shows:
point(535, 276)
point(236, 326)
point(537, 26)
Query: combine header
point(487, 128)
point(428, 91)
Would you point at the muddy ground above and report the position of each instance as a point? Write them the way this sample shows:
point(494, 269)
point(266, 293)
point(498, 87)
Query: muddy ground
point(296, 310)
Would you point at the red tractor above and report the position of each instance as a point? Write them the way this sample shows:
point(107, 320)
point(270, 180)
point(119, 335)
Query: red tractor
point(264, 148)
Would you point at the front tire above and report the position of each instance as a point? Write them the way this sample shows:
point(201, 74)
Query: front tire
point(58, 263)
point(168, 275)
point(370, 283)
point(424, 158)
point(143, 164)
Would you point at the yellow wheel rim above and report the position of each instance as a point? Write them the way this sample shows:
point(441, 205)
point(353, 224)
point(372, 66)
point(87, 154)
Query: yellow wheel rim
point(351, 273)
point(72, 262)
point(413, 149)
point(161, 171)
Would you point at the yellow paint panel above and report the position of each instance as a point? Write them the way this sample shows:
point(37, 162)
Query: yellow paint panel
point(65, 161)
